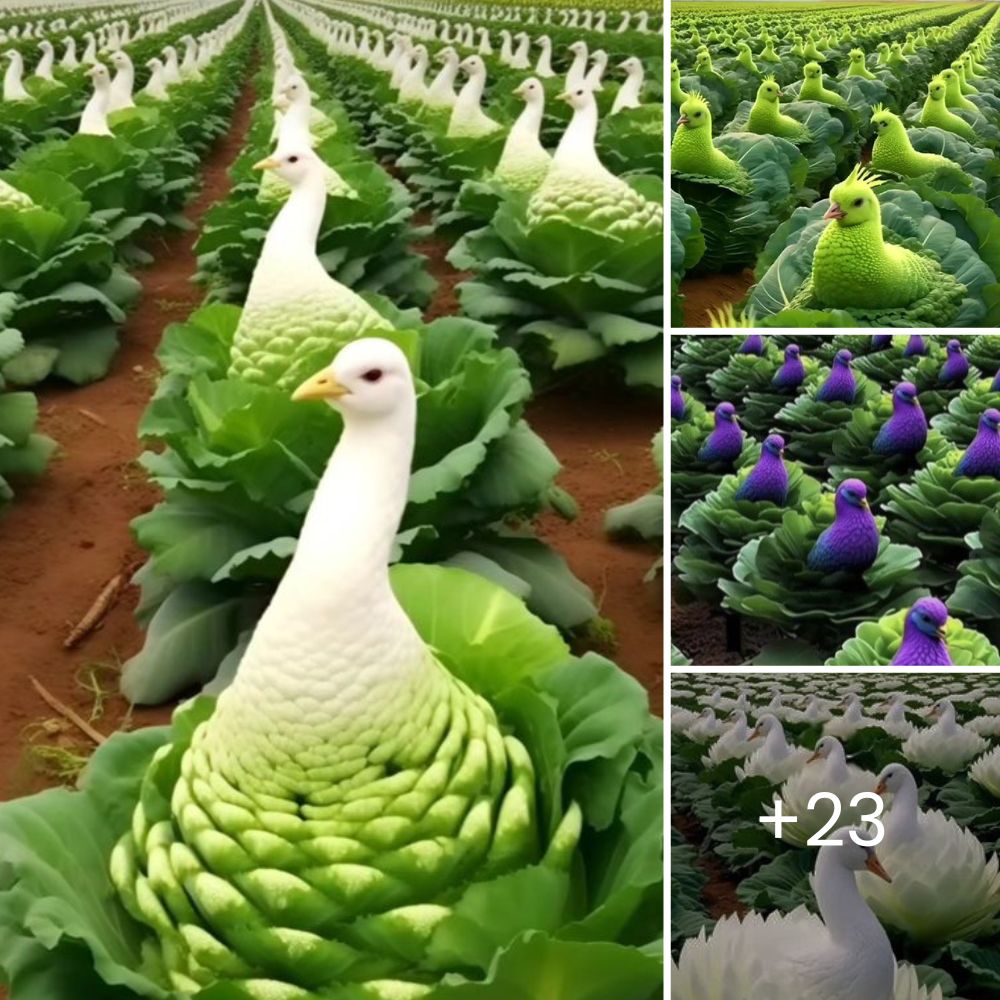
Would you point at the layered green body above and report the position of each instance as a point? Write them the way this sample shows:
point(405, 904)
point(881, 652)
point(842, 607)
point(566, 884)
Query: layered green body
point(766, 119)
point(297, 867)
point(892, 151)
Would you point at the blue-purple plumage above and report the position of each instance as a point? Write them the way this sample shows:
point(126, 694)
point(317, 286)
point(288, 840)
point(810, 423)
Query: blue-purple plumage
point(905, 432)
point(725, 442)
point(880, 341)
point(754, 344)
point(956, 367)
point(923, 642)
point(851, 542)
point(769, 478)
point(678, 405)
point(915, 345)
point(982, 457)
point(792, 372)
point(840, 386)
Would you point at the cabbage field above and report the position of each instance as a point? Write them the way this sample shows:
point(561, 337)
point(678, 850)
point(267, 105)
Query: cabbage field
point(834, 835)
point(835, 499)
point(331, 507)
point(835, 164)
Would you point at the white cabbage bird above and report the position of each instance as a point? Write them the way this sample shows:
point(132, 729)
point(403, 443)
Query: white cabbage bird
point(94, 120)
point(953, 892)
point(946, 745)
point(628, 93)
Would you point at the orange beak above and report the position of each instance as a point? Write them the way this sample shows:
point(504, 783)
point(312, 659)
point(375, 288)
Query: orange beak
point(816, 756)
point(875, 867)
point(880, 788)
point(835, 212)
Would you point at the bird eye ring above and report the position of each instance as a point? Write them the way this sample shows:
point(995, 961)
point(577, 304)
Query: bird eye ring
point(372, 375)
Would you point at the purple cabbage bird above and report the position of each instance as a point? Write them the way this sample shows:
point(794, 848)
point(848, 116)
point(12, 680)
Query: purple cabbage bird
point(678, 406)
point(769, 478)
point(725, 442)
point(840, 386)
point(915, 345)
point(792, 372)
point(880, 341)
point(982, 457)
point(995, 387)
point(956, 367)
point(851, 542)
point(905, 432)
point(754, 344)
point(923, 636)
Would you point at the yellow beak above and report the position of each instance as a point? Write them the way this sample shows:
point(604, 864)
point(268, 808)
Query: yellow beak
point(875, 867)
point(268, 163)
point(322, 385)
point(564, 96)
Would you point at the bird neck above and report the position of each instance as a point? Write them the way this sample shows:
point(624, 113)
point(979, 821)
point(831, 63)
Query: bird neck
point(948, 724)
point(445, 80)
point(903, 822)
point(577, 70)
point(849, 921)
point(764, 111)
point(776, 740)
point(529, 121)
point(295, 229)
point(294, 127)
point(836, 765)
point(576, 147)
point(471, 94)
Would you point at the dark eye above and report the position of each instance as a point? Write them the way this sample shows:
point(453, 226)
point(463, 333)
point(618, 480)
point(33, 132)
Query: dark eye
point(579, 93)
point(372, 375)
point(293, 159)
point(858, 202)
point(697, 114)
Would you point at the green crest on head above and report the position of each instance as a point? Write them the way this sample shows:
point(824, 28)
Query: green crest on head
point(862, 175)
point(769, 78)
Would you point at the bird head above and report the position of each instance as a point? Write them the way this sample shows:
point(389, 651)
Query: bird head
point(905, 392)
point(530, 89)
point(954, 346)
point(675, 381)
point(292, 165)
point(769, 90)
point(857, 55)
point(853, 200)
point(578, 48)
point(936, 89)
point(854, 856)
point(935, 711)
point(882, 118)
point(631, 65)
point(774, 444)
point(726, 413)
point(891, 779)
point(854, 493)
point(120, 59)
point(578, 97)
point(98, 73)
point(443, 55)
point(675, 71)
point(703, 60)
point(929, 616)
point(823, 749)
point(765, 724)
point(949, 76)
point(812, 71)
point(990, 420)
point(369, 377)
point(472, 64)
point(843, 358)
point(792, 351)
point(695, 113)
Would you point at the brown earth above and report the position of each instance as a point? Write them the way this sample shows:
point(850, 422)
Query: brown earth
point(67, 533)
point(719, 894)
point(712, 291)
point(699, 631)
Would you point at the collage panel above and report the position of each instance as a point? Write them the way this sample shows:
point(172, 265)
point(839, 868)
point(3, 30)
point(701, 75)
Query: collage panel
point(833, 835)
point(835, 499)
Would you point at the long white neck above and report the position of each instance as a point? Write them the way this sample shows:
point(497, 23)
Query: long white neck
point(44, 67)
point(903, 821)
point(13, 88)
point(947, 724)
point(853, 711)
point(776, 745)
point(90, 52)
point(154, 85)
point(69, 60)
point(291, 240)
point(739, 731)
point(121, 85)
point(576, 147)
point(836, 765)
point(577, 70)
point(294, 127)
point(849, 921)
point(443, 84)
point(544, 64)
point(896, 713)
point(471, 94)
point(529, 121)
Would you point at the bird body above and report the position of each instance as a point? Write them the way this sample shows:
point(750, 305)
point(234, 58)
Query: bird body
point(813, 89)
point(916, 346)
point(754, 344)
point(935, 113)
point(768, 481)
point(678, 405)
point(892, 150)
point(982, 457)
point(924, 643)
point(776, 760)
point(851, 543)
point(946, 745)
point(94, 119)
point(766, 117)
point(956, 366)
point(792, 372)
point(840, 385)
point(725, 442)
point(524, 161)
point(905, 432)
point(692, 150)
point(468, 120)
point(295, 313)
point(853, 266)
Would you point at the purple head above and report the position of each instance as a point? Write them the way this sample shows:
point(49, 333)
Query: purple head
point(843, 359)
point(725, 413)
point(774, 444)
point(928, 615)
point(675, 381)
point(954, 347)
point(851, 493)
point(754, 344)
point(990, 420)
point(915, 345)
point(792, 351)
point(906, 393)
